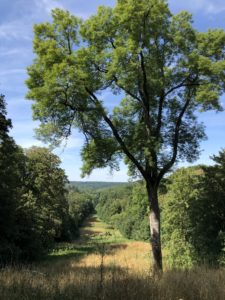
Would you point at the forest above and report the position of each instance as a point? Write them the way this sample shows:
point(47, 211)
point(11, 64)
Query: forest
point(161, 235)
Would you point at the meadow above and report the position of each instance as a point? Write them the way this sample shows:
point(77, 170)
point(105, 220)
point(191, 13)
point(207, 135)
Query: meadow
point(102, 264)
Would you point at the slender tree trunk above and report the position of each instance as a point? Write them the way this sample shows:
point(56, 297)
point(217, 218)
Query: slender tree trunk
point(154, 221)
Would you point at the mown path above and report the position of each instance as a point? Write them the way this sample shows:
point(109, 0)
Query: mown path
point(99, 241)
point(101, 264)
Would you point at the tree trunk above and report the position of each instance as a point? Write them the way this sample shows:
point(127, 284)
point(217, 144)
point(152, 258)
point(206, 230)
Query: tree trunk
point(154, 221)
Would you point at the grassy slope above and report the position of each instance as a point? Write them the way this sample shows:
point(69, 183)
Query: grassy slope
point(99, 241)
point(104, 265)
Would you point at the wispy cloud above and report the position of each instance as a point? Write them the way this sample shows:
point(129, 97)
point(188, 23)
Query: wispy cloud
point(12, 71)
point(14, 51)
point(15, 30)
point(48, 5)
point(215, 7)
point(209, 7)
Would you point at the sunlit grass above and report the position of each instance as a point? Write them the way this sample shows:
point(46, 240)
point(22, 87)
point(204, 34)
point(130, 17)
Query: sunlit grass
point(102, 264)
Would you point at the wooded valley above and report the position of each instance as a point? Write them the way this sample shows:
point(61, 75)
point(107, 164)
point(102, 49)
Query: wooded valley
point(133, 80)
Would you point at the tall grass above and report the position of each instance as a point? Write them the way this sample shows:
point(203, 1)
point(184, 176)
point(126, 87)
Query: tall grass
point(110, 283)
point(102, 265)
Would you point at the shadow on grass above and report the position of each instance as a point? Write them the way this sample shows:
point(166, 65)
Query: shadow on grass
point(111, 283)
point(74, 251)
point(77, 251)
point(89, 222)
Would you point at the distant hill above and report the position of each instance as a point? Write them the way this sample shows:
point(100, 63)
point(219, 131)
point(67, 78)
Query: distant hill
point(94, 185)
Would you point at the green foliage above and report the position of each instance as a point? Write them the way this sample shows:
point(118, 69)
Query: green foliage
point(177, 227)
point(166, 69)
point(93, 185)
point(35, 210)
point(213, 212)
point(11, 174)
point(80, 206)
point(44, 204)
point(47, 182)
point(126, 208)
point(193, 215)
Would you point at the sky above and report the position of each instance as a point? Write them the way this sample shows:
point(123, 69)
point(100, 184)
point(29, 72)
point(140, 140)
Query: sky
point(17, 18)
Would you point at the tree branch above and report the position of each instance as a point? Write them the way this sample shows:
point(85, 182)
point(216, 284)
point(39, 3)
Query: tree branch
point(159, 117)
point(145, 83)
point(183, 84)
point(125, 90)
point(167, 167)
point(112, 43)
point(118, 137)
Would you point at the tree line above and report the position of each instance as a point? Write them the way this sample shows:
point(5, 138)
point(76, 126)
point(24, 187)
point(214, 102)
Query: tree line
point(36, 208)
point(192, 209)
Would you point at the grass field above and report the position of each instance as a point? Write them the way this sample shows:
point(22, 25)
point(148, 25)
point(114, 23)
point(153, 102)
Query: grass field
point(102, 264)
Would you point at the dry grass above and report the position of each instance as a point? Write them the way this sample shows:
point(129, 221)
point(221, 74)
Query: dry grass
point(86, 283)
point(132, 257)
point(98, 267)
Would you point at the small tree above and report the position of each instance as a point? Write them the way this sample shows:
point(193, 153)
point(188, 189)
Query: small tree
point(156, 63)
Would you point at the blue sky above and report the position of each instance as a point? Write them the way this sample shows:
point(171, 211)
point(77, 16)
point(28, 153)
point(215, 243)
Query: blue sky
point(16, 22)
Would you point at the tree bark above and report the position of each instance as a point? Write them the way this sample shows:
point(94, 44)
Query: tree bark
point(155, 240)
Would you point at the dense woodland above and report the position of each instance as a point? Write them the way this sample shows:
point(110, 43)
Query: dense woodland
point(187, 240)
point(36, 209)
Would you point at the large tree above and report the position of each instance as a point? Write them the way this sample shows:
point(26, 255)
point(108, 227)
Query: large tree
point(161, 69)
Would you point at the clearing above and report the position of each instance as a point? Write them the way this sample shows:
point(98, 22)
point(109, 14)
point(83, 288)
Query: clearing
point(100, 243)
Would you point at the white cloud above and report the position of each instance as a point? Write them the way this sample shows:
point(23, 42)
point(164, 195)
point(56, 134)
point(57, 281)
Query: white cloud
point(16, 30)
point(210, 7)
point(12, 71)
point(15, 51)
point(48, 5)
point(214, 7)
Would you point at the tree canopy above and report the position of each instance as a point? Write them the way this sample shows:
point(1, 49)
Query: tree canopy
point(156, 63)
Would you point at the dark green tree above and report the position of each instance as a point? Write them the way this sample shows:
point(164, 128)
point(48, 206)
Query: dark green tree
point(212, 214)
point(80, 206)
point(46, 183)
point(126, 208)
point(161, 68)
point(11, 176)
point(193, 213)
point(42, 216)
point(179, 205)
